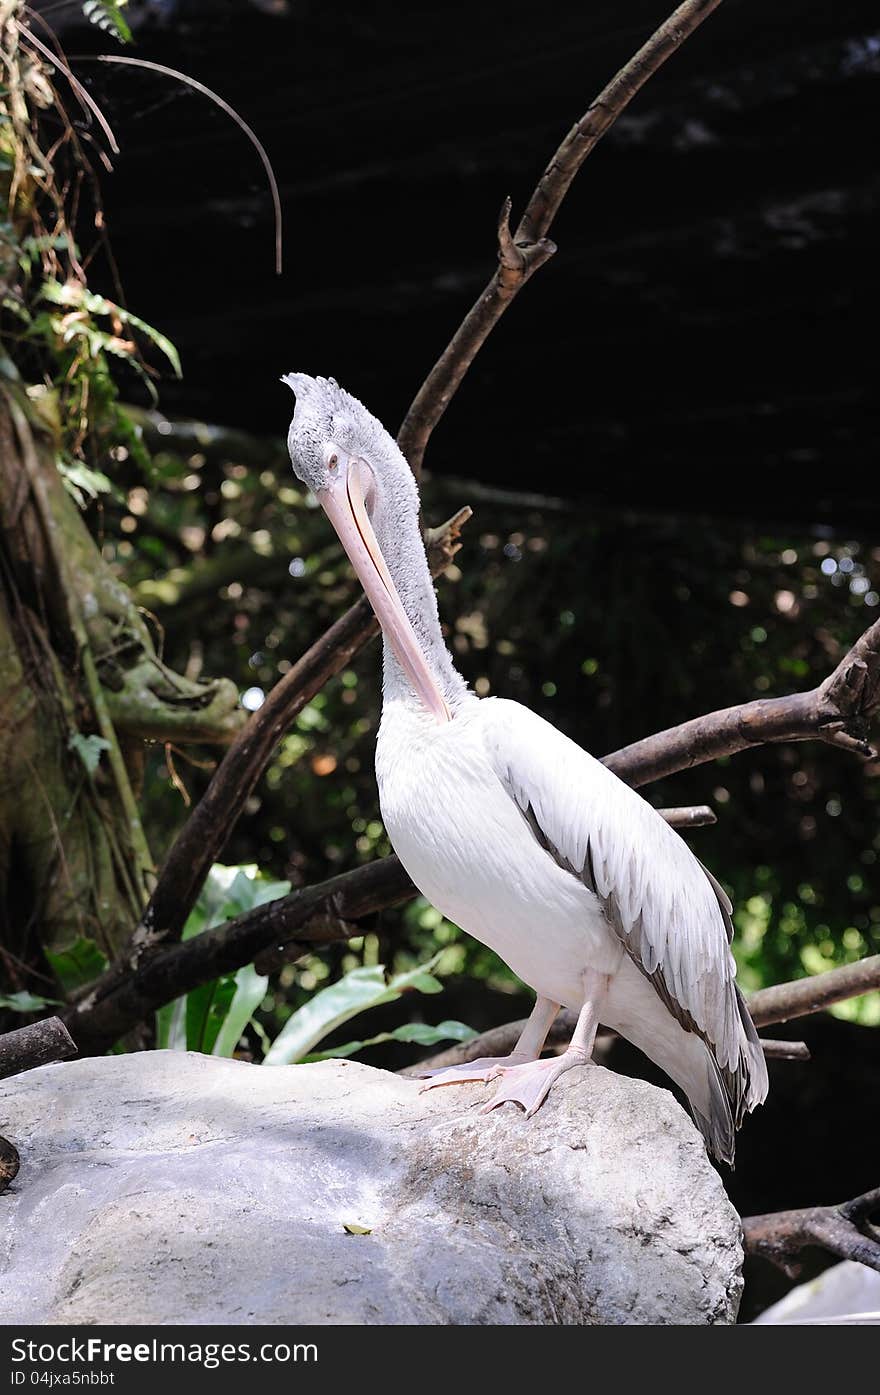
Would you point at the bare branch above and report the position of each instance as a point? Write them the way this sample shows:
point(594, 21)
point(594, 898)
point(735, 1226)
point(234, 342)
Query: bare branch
point(500, 1041)
point(843, 1230)
point(785, 1050)
point(808, 995)
point(9, 1163)
point(690, 816)
point(35, 1045)
point(838, 711)
point(521, 253)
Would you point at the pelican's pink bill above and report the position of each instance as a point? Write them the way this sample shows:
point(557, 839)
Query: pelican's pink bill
point(343, 502)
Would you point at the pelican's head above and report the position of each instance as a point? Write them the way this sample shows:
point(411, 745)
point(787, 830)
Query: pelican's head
point(358, 474)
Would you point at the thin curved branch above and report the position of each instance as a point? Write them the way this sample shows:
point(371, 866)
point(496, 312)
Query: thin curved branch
point(838, 711)
point(844, 1230)
point(231, 112)
point(522, 252)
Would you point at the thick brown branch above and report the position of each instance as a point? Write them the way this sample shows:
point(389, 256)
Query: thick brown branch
point(521, 253)
point(838, 711)
point(35, 1045)
point(318, 915)
point(10, 1162)
point(843, 1230)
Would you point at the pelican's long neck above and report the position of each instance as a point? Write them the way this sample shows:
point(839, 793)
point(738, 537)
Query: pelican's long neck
point(396, 525)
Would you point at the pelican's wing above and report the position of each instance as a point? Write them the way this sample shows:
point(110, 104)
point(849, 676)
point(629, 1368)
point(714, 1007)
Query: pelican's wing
point(670, 913)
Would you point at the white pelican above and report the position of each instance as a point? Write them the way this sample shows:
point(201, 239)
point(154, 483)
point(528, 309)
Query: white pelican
point(516, 834)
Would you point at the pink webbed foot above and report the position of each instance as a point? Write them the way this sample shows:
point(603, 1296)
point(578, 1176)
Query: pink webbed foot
point(483, 1068)
point(529, 1084)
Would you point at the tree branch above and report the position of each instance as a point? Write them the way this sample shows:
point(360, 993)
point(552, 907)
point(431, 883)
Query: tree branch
point(9, 1163)
point(35, 1045)
point(844, 1230)
point(838, 711)
point(317, 915)
point(521, 253)
point(808, 995)
point(500, 1041)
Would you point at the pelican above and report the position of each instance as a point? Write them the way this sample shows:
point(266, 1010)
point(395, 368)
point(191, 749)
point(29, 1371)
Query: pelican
point(518, 835)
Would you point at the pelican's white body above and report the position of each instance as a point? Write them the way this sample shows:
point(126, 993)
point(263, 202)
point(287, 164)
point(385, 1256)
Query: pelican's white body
point(467, 847)
point(509, 828)
point(446, 798)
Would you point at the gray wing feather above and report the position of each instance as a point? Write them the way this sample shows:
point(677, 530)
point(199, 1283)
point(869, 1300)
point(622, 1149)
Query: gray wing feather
point(671, 914)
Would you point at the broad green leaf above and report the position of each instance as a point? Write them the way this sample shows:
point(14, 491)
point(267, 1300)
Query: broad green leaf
point(228, 892)
point(352, 1228)
point(171, 1026)
point(250, 990)
point(363, 988)
point(88, 748)
point(26, 1002)
point(419, 1032)
point(199, 1020)
point(78, 965)
point(206, 1007)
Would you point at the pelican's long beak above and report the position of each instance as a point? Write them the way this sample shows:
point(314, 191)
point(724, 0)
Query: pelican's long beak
point(343, 503)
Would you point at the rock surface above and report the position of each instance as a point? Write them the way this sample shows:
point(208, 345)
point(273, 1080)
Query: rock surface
point(165, 1187)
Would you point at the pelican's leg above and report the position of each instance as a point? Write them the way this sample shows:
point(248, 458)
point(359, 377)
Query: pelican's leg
point(528, 1048)
point(529, 1084)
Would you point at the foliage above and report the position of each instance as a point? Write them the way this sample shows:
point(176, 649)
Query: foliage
point(57, 334)
point(107, 15)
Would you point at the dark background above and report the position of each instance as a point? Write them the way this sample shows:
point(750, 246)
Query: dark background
point(704, 335)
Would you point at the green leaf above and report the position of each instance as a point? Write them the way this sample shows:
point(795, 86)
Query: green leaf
point(352, 1228)
point(171, 1026)
point(419, 1032)
point(363, 988)
point(78, 965)
point(72, 295)
point(26, 1002)
point(88, 748)
point(207, 1018)
point(250, 990)
point(206, 1007)
point(106, 15)
point(228, 892)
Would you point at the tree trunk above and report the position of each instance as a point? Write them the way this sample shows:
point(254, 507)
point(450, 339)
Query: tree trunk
point(81, 686)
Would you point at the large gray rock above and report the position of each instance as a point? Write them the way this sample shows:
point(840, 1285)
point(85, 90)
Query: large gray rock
point(162, 1187)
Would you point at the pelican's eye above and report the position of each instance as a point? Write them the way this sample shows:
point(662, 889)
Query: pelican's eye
point(333, 462)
